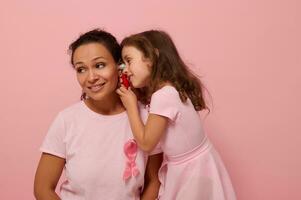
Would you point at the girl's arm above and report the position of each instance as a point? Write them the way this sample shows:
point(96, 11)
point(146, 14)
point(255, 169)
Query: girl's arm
point(147, 136)
point(47, 176)
point(151, 180)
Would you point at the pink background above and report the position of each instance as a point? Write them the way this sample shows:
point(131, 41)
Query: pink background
point(247, 51)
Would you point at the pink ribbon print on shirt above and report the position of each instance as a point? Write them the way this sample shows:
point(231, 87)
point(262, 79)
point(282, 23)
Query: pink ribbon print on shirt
point(130, 150)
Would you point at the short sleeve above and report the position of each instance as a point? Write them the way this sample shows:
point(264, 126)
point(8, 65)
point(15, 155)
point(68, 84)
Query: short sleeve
point(164, 102)
point(54, 141)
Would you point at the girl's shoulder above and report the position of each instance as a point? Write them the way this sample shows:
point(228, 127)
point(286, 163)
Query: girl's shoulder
point(166, 89)
point(168, 94)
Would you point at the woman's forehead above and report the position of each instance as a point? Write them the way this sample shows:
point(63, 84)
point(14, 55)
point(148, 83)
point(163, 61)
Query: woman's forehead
point(92, 51)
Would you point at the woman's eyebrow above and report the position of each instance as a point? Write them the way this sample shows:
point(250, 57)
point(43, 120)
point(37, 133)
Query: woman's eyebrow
point(79, 62)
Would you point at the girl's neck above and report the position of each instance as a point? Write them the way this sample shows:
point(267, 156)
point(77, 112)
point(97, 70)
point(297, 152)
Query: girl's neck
point(108, 106)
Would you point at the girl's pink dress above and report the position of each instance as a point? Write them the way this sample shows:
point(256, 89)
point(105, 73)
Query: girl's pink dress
point(192, 169)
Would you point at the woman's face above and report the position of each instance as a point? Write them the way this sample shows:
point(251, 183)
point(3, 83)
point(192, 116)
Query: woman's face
point(96, 70)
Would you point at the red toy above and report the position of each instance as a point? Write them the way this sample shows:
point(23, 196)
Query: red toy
point(125, 80)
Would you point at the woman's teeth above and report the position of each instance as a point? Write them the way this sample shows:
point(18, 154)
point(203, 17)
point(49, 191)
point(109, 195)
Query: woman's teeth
point(96, 88)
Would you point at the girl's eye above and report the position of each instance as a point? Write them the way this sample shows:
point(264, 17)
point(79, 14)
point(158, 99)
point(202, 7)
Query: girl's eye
point(128, 61)
point(100, 65)
point(80, 70)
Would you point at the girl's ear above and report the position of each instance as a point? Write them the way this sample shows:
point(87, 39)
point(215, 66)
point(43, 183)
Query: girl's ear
point(157, 52)
point(149, 63)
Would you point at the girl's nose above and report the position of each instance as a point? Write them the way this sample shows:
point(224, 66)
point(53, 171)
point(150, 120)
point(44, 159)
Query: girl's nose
point(126, 70)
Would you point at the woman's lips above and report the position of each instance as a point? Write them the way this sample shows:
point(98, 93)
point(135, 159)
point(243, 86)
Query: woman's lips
point(96, 88)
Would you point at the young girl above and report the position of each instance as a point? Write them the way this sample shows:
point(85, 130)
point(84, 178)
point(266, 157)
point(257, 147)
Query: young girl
point(191, 169)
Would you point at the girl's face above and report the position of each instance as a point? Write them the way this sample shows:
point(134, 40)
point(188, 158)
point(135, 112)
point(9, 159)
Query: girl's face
point(96, 70)
point(138, 68)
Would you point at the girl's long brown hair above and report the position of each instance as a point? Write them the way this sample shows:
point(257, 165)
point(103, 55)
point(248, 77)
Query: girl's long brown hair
point(167, 66)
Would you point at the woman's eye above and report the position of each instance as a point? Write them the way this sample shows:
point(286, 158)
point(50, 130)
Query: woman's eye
point(80, 70)
point(100, 65)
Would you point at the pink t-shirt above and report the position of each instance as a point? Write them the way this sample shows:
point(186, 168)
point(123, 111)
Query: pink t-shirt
point(93, 146)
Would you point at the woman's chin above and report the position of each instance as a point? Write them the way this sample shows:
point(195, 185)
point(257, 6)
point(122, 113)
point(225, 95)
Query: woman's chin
point(95, 96)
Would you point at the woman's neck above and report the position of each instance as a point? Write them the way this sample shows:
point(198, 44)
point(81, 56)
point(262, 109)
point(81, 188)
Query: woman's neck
point(109, 106)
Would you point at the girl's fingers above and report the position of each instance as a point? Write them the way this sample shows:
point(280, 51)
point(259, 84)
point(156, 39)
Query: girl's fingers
point(118, 91)
point(122, 88)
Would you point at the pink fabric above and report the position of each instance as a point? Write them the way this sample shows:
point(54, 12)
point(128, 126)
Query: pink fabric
point(191, 168)
point(130, 151)
point(98, 149)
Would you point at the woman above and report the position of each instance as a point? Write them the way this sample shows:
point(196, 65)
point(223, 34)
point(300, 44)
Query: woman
point(92, 139)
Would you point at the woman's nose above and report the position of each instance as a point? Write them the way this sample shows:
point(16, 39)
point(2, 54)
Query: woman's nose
point(92, 76)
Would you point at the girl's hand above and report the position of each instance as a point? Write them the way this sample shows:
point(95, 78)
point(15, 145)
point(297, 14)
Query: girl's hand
point(128, 97)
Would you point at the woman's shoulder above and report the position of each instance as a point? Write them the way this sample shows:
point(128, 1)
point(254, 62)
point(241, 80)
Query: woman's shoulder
point(72, 109)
